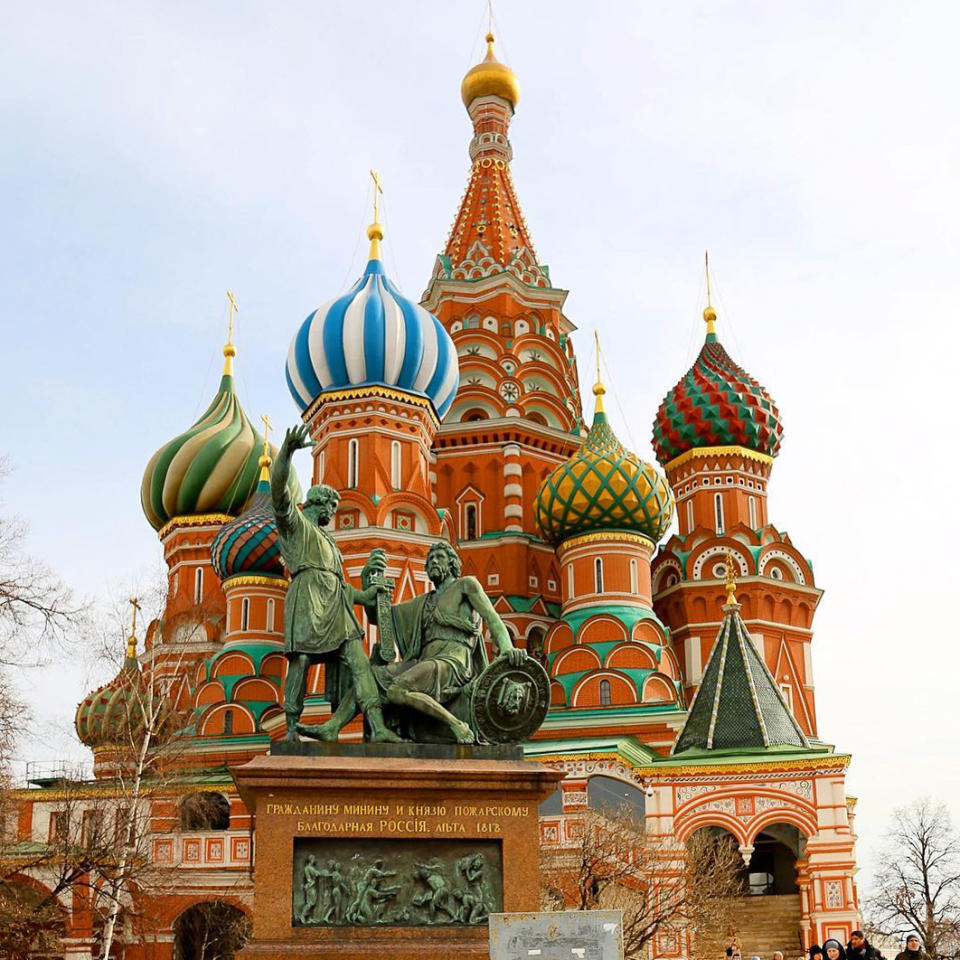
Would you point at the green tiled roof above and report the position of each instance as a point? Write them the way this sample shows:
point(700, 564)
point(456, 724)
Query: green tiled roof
point(738, 705)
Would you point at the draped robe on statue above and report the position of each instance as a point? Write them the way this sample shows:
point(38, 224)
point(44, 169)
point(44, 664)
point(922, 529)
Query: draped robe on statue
point(442, 651)
point(318, 611)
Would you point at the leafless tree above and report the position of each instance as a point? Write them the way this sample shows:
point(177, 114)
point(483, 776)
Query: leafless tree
point(211, 930)
point(661, 889)
point(36, 607)
point(102, 842)
point(917, 885)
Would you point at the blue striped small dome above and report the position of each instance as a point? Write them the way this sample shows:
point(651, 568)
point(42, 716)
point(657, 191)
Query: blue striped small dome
point(373, 335)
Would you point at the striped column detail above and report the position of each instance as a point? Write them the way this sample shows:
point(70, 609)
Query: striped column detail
point(512, 488)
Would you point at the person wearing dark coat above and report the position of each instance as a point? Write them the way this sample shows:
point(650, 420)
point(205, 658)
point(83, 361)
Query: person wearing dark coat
point(833, 950)
point(859, 948)
point(913, 950)
point(815, 952)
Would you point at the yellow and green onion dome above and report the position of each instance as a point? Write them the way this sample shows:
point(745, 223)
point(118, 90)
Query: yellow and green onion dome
point(249, 545)
point(111, 713)
point(211, 468)
point(716, 404)
point(603, 487)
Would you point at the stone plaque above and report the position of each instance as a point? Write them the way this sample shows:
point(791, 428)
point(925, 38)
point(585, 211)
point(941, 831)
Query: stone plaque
point(567, 935)
point(353, 882)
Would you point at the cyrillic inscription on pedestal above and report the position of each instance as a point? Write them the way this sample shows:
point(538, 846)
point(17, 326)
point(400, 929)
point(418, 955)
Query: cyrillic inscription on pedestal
point(347, 882)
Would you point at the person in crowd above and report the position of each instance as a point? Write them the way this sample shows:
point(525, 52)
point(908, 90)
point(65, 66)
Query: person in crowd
point(912, 950)
point(777, 955)
point(815, 952)
point(833, 950)
point(859, 948)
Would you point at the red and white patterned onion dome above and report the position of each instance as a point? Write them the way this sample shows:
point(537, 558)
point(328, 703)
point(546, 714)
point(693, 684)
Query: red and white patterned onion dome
point(716, 404)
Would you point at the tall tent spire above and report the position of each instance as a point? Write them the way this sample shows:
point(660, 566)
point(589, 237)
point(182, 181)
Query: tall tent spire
point(738, 705)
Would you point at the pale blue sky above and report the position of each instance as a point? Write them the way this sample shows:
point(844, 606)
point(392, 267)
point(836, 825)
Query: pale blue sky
point(153, 155)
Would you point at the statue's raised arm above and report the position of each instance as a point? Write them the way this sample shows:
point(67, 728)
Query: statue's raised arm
point(283, 505)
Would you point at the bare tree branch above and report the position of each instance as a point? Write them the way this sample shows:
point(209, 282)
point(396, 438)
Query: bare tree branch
point(917, 884)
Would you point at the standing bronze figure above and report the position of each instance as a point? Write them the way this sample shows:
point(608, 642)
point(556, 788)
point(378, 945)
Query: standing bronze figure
point(319, 624)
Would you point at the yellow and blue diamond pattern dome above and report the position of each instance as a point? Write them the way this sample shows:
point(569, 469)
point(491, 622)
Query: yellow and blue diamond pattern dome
point(603, 487)
point(370, 336)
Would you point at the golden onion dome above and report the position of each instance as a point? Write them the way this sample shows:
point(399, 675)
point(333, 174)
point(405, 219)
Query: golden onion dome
point(490, 77)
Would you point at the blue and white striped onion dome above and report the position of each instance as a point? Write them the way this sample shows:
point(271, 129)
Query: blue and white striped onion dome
point(373, 335)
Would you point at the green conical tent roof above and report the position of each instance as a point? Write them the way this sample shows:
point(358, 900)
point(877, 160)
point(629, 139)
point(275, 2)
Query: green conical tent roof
point(738, 704)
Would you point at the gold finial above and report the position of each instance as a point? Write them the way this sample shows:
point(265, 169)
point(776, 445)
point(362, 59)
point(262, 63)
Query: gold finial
point(375, 231)
point(265, 458)
point(132, 639)
point(229, 350)
point(730, 578)
point(709, 314)
point(598, 388)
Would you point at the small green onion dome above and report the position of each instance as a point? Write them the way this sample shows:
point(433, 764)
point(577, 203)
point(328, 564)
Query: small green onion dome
point(603, 487)
point(716, 404)
point(112, 713)
point(212, 468)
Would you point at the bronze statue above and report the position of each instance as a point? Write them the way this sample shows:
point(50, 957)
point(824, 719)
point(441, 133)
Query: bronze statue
point(367, 906)
point(319, 622)
point(426, 883)
point(310, 889)
point(439, 637)
point(338, 890)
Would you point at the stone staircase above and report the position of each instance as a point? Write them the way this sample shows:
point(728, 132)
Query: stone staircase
point(768, 923)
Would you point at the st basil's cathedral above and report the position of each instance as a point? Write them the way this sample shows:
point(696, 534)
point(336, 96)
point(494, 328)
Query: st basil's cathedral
point(680, 664)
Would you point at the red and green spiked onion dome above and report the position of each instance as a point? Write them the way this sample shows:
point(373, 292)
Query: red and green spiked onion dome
point(211, 468)
point(249, 544)
point(716, 404)
point(108, 715)
point(603, 487)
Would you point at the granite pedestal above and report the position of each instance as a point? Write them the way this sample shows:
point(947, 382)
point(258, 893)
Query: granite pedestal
point(432, 825)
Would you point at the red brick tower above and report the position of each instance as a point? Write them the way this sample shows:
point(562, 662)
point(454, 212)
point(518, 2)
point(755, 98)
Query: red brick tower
point(517, 413)
point(716, 434)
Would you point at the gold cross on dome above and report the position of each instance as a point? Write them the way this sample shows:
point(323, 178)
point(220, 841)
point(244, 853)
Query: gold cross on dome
point(377, 193)
point(135, 604)
point(267, 427)
point(233, 309)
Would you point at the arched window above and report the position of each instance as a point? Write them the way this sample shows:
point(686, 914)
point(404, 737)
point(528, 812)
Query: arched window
point(470, 514)
point(198, 585)
point(689, 515)
point(718, 511)
point(205, 811)
point(228, 723)
point(570, 582)
point(245, 613)
point(598, 575)
point(610, 796)
point(271, 615)
point(752, 507)
point(211, 928)
point(604, 693)
point(395, 464)
point(353, 463)
point(634, 577)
